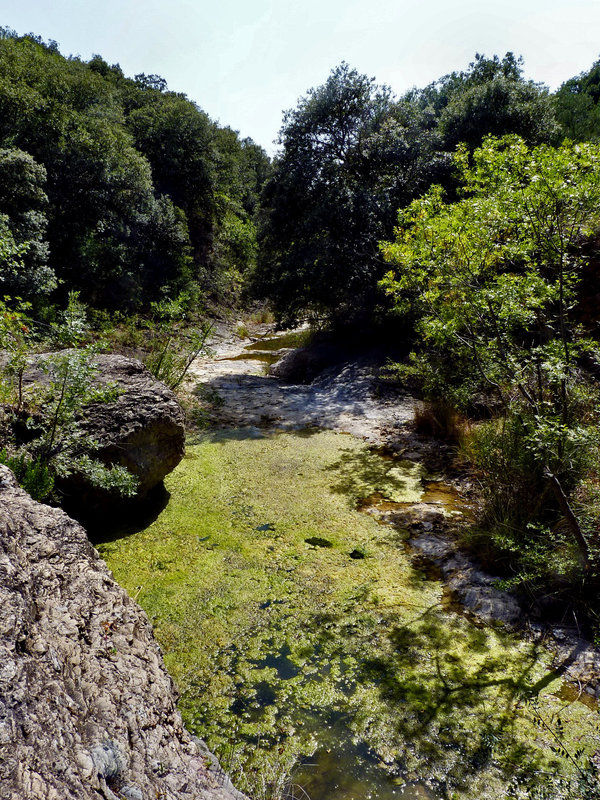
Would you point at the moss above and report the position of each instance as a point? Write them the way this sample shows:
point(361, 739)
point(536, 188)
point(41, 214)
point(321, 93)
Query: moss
point(281, 648)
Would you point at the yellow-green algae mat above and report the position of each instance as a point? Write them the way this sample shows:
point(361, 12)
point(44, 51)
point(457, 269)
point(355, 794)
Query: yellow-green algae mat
point(292, 623)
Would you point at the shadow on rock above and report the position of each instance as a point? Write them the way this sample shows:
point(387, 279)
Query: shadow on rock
point(116, 522)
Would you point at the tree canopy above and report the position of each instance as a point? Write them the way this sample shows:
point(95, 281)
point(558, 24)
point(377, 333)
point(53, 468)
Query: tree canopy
point(131, 175)
point(494, 278)
point(576, 105)
point(351, 156)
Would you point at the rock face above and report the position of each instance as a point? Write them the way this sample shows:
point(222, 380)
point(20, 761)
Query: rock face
point(142, 430)
point(87, 709)
point(303, 364)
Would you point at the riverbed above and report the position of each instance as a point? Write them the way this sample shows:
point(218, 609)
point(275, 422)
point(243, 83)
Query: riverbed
point(311, 652)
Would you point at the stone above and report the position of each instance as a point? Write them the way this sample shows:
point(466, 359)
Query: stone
point(143, 430)
point(303, 364)
point(79, 717)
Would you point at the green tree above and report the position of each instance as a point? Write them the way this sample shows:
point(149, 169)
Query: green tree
point(177, 139)
point(576, 105)
point(494, 278)
point(23, 202)
point(101, 197)
point(351, 156)
point(490, 97)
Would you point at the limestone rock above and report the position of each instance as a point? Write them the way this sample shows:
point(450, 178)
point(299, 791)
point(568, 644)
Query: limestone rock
point(87, 709)
point(303, 364)
point(473, 588)
point(142, 430)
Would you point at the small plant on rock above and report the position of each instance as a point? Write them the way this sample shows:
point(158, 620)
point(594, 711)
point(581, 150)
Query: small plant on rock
point(49, 438)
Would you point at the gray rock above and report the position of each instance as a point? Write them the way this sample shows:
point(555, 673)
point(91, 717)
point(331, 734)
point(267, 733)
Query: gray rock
point(303, 364)
point(87, 708)
point(142, 430)
point(473, 588)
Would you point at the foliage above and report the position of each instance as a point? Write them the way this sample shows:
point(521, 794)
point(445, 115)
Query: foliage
point(49, 411)
point(33, 475)
point(495, 279)
point(576, 105)
point(440, 419)
point(491, 97)
point(172, 344)
point(23, 203)
point(582, 780)
point(115, 179)
point(15, 343)
point(351, 155)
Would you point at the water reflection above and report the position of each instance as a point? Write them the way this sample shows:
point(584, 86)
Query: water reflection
point(352, 774)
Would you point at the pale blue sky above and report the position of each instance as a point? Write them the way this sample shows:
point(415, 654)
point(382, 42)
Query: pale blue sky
point(246, 62)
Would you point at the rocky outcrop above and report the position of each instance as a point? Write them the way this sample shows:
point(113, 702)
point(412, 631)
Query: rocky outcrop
point(142, 430)
point(475, 590)
point(303, 364)
point(87, 709)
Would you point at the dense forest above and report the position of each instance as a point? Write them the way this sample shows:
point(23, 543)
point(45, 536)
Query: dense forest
point(117, 187)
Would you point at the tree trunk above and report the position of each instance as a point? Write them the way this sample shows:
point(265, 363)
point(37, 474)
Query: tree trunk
point(570, 517)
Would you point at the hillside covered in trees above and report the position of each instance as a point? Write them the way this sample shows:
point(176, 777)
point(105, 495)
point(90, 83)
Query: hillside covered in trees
point(117, 187)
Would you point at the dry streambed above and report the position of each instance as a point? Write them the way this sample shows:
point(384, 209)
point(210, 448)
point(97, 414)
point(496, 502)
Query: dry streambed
point(304, 638)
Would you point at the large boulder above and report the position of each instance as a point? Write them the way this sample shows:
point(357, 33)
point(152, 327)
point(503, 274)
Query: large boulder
point(303, 364)
point(142, 430)
point(87, 709)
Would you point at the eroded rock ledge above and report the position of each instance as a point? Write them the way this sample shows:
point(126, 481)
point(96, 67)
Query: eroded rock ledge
point(87, 709)
point(142, 430)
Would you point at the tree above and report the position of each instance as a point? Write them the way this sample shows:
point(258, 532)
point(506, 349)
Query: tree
point(178, 139)
point(23, 202)
point(495, 279)
point(490, 97)
point(351, 156)
point(576, 105)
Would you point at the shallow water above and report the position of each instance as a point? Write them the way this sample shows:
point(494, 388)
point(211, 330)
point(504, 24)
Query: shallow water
point(280, 341)
point(304, 664)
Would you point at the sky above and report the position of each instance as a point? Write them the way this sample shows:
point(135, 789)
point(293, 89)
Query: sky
point(246, 61)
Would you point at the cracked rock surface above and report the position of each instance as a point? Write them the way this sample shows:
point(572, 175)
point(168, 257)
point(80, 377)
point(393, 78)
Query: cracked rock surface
point(341, 398)
point(87, 709)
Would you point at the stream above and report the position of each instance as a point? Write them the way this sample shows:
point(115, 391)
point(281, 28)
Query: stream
point(311, 652)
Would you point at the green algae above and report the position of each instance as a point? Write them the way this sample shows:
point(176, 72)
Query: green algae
point(284, 650)
point(281, 341)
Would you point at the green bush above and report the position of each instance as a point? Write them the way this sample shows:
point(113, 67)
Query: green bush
point(33, 474)
point(520, 527)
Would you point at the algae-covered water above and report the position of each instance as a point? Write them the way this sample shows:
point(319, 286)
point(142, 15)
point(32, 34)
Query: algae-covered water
point(308, 649)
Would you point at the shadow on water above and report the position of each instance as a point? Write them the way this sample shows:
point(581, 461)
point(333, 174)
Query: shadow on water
point(283, 341)
point(393, 479)
point(458, 709)
point(266, 358)
point(225, 435)
point(280, 661)
point(345, 770)
point(125, 521)
point(447, 693)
